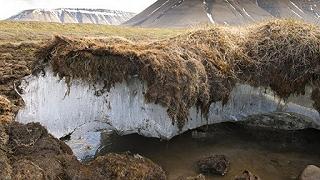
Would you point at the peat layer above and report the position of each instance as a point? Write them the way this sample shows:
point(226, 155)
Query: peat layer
point(15, 63)
point(6, 110)
point(29, 152)
point(199, 67)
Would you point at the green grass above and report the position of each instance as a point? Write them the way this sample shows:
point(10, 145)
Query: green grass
point(16, 32)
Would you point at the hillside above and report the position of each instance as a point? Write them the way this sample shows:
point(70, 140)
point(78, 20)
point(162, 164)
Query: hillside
point(183, 13)
point(72, 15)
point(15, 32)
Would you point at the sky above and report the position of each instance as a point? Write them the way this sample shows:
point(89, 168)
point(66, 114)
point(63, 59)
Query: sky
point(12, 7)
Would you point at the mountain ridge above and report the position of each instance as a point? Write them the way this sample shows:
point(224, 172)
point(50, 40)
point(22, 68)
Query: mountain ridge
point(184, 13)
point(74, 15)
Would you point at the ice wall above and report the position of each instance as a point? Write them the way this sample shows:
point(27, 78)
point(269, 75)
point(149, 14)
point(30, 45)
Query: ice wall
point(124, 110)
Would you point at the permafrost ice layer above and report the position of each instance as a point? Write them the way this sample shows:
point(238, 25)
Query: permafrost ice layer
point(49, 101)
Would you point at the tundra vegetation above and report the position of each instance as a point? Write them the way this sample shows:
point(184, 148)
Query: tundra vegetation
point(182, 69)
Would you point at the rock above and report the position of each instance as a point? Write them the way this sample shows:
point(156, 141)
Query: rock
point(247, 175)
point(74, 15)
point(280, 120)
point(215, 164)
point(126, 166)
point(311, 172)
point(199, 177)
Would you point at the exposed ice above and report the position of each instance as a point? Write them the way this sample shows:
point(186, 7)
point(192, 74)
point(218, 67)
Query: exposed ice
point(83, 112)
point(124, 110)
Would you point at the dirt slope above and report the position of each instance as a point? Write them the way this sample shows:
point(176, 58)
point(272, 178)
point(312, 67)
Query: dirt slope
point(182, 13)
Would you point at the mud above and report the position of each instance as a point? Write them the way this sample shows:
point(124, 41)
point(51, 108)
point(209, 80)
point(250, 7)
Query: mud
point(29, 152)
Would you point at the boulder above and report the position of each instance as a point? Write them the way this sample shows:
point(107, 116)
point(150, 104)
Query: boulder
point(280, 120)
point(311, 172)
point(247, 175)
point(126, 166)
point(214, 164)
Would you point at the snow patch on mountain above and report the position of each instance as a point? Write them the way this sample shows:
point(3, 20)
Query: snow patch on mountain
point(74, 15)
point(165, 13)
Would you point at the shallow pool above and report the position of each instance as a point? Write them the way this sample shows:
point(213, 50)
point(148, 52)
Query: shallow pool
point(270, 154)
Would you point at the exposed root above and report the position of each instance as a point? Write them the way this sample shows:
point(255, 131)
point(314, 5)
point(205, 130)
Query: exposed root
point(176, 72)
point(197, 68)
point(283, 55)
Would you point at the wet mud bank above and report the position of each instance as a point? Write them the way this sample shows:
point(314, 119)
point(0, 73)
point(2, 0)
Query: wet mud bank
point(29, 152)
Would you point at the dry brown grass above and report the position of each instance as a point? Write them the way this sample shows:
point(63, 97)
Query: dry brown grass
point(19, 41)
point(283, 55)
point(196, 68)
point(15, 63)
point(17, 32)
point(6, 110)
point(176, 70)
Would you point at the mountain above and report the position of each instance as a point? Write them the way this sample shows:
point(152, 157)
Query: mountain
point(182, 13)
point(72, 15)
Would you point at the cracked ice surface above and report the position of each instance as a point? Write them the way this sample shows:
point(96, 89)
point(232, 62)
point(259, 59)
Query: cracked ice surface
point(124, 110)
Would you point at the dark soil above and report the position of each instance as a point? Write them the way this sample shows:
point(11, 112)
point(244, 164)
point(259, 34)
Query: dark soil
point(29, 152)
point(15, 63)
point(7, 110)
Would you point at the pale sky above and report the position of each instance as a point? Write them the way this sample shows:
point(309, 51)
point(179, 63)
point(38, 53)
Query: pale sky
point(12, 7)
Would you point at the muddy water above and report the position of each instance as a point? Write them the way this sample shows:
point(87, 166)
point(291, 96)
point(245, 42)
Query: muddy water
point(270, 154)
